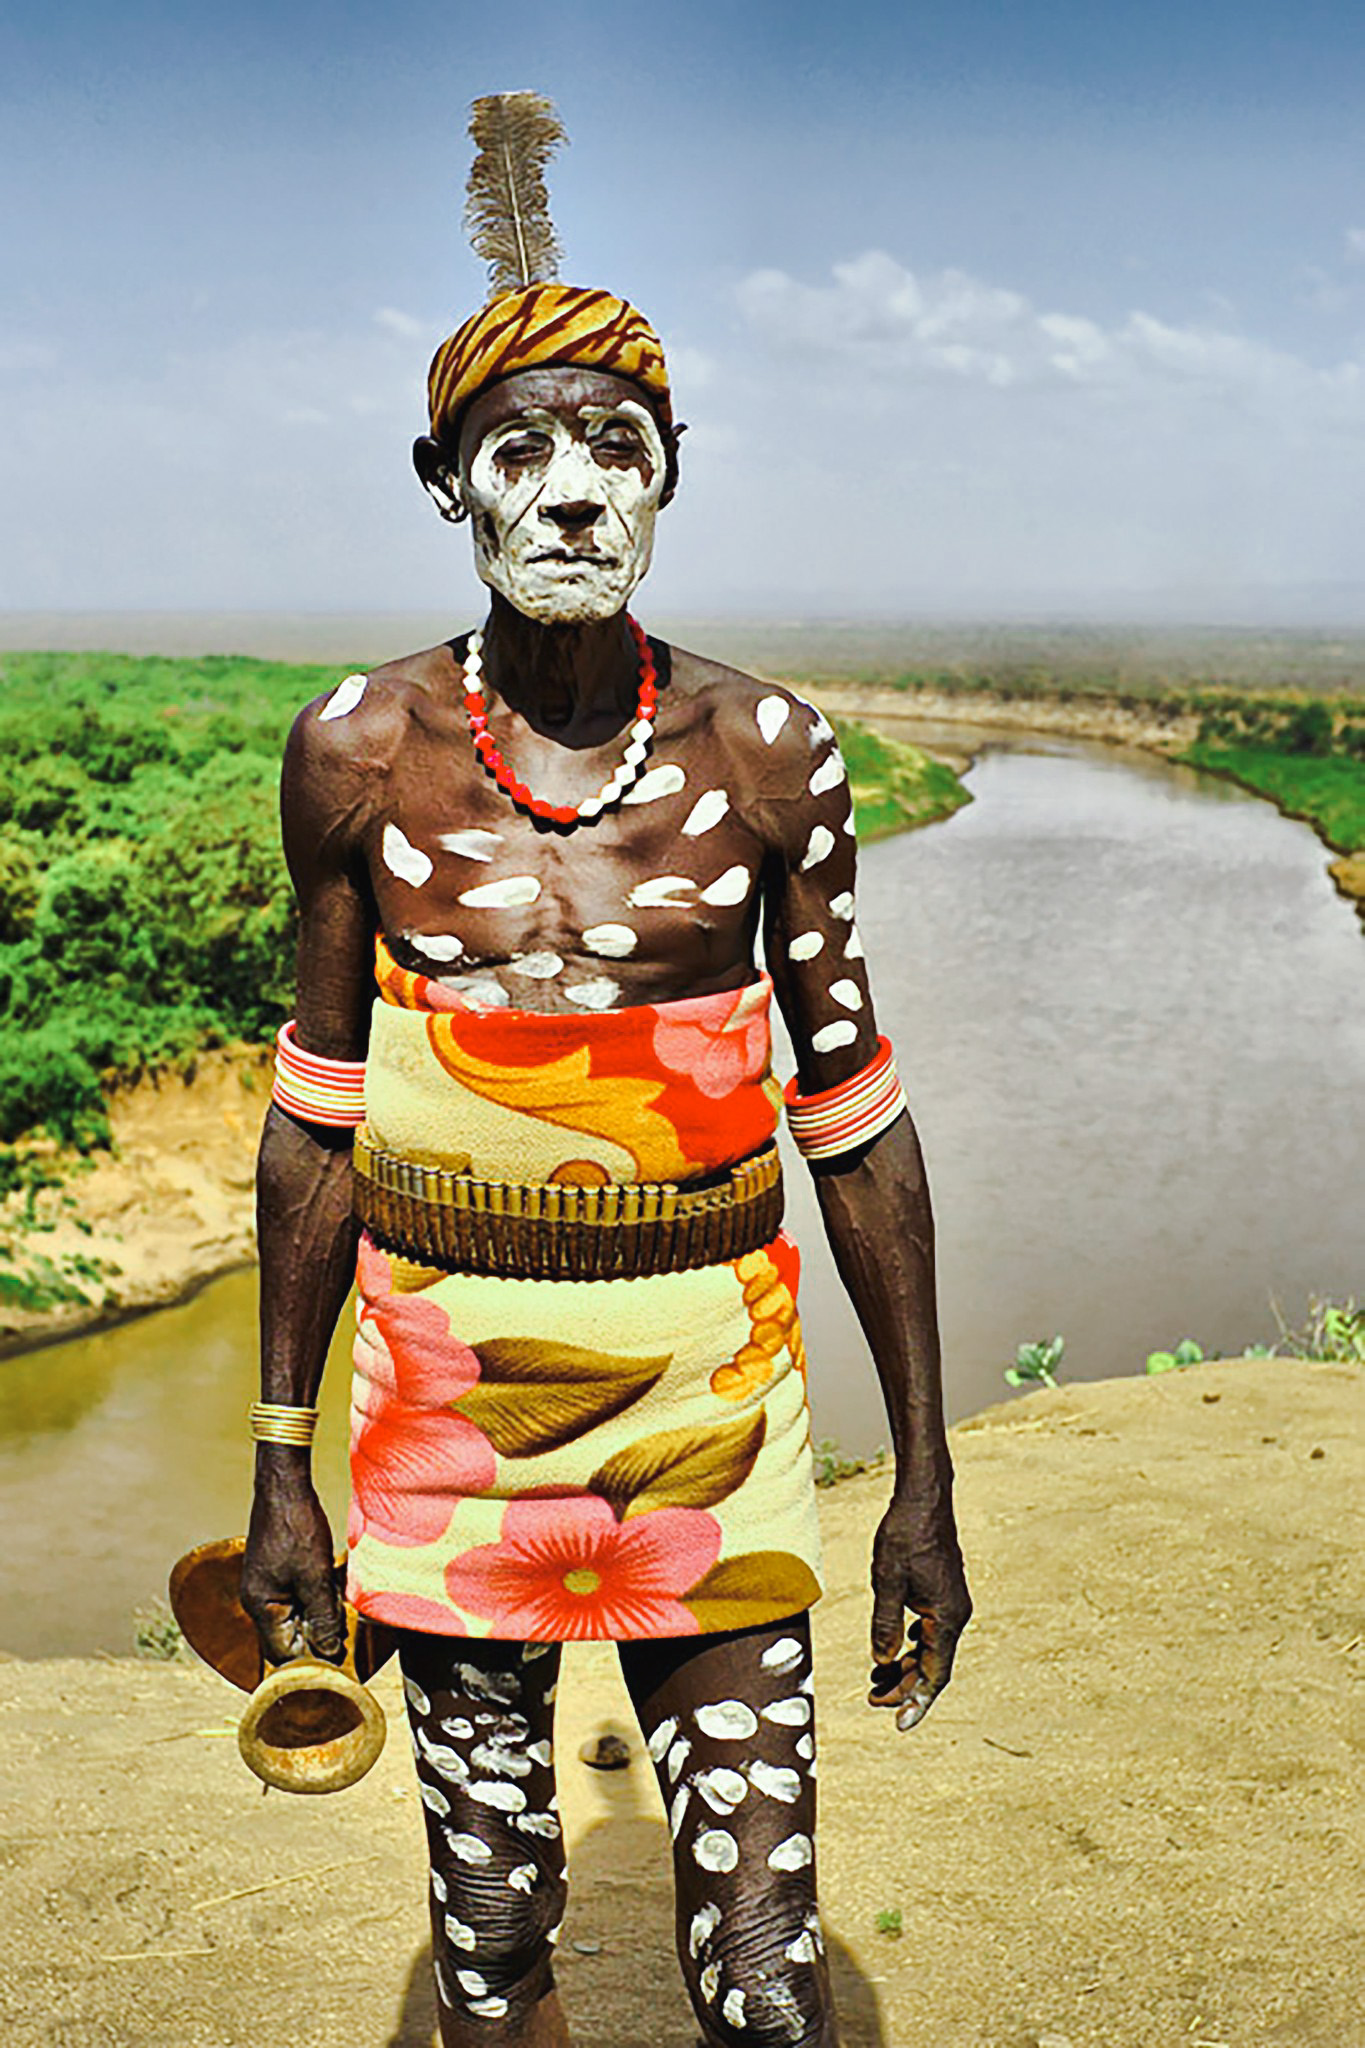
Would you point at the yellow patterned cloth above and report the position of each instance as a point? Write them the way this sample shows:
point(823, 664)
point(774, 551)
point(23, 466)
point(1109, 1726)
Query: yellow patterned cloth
point(545, 1460)
point(544, 326)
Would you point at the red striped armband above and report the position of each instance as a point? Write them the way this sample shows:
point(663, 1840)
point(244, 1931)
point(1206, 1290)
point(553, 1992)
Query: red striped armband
point(317, 1090)
point(839, 1119)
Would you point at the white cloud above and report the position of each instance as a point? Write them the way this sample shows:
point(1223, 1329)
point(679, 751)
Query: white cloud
point(401, 324)
point(1355, 245)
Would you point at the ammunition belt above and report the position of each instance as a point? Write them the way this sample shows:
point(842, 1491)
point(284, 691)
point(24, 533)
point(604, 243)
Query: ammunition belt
point(544, 1230)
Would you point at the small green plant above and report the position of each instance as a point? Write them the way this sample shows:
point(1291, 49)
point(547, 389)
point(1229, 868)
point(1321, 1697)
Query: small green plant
point(1186, 1352)
point(831, 1465)
point(889, 1923)
point(156, 1633)
point(1333, 1334)
point(1036, 1364)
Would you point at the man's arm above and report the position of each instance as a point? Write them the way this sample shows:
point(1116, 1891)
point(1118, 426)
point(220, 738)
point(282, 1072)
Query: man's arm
point(874, 1202)
point(305, 1226)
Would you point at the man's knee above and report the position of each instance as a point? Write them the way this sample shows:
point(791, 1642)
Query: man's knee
point(493, 1933)
point(758, 1977)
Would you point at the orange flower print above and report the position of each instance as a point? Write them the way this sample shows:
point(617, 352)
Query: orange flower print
point(769, 1279)
point(720, 1047)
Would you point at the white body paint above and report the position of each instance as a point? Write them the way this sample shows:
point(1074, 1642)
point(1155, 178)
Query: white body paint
point(854, 949)
point(732, 2008)
point(831, 1036)
point(722, 1789)
point(457, 1934)
point(447, 1762)
point(731, 887)
point(677, 1757)
point(792, 1713)
point(775, 1781)
point(707, 811)
point(536, 966)
point(819, 847)
point(610, 941)
point(677, 1813)
point(709, 1982)
point(806, 945)
point(509, 894)
point(488, 2008)
point(599, 994)
point(793, 1854)
point(521, 551)
point(842, 906)
point(344, 697)
point(472, 1981)
point(665, 780)
point(505, 1798)
point(543, 1824)
point(848, 993)
point(660, 1739)
point(772, 714)
point(727, 1721)
point(716, 1849)
point(704, 1924)
point(829, 774)
point(782, 1656)
point(468, 1848)
point(458, 1727)
point(802, 1950)
point(473, 844)
point(523, 1878)
point(416, 1697)
point(663, 892)
point(805, 1747)
point(434, 1800)
point(442, 946)
point(403, 859)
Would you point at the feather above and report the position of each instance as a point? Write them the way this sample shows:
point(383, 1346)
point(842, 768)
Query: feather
point(507, 212)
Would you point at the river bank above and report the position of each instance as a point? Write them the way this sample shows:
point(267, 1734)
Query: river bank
point(1113, 1830)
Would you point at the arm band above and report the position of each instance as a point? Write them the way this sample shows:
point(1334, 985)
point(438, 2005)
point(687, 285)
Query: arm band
point(840, 1119)
point(316, 1090)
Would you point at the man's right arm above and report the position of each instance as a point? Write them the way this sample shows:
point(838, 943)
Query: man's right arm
point(305, 1225)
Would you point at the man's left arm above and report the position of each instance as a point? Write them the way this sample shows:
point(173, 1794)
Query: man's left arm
point(874, 1200)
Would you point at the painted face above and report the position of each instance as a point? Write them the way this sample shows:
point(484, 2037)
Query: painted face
point(563, 499)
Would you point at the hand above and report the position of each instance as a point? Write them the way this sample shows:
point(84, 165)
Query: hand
point(916, 1565)
point(288, 1577)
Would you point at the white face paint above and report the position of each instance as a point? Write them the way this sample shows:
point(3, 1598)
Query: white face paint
point(525, 468)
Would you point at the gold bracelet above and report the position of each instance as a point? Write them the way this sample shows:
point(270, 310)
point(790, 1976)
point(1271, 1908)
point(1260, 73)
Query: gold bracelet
point(274, 1423)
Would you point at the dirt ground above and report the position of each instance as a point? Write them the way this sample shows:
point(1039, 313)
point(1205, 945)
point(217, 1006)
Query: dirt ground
point(1135, 1819)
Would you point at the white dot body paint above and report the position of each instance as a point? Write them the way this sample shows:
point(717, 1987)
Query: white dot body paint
point(508, 894)
point(822, 730)
point(848, 993)
point(458, 1935)
point(704, 1924)
point(782, 1656)
point(403, 859)
point(793, 1854)
point(722, 1789)
point(854, 949)
point(707, 811)
point(481, 992)
point(716, 1849)
point(665, 780)
point(805, 1747)
point(610, 941)
point(663, 892)
point(536, 966)
point(792, 1713)
point(828, 775)
point(819, 847)
point(731, 887)
point(416, 1697)
point(802, 1950)
point(468, 1848)
point(732, 2008)
point(661, 1738)
point(442, 946)
point(543, 1824)
point(772, 714)
point(540, 1752)
point(472, 844)
point(775, 1781)
point(727, 1721)
point(806, 945)
point(842, 905)
point(677, 1757)
point(501, 1687)
point(709, 1982)
point(807, 1684)
point(601, 993)
point(682, 1799)
point(438, 1886)
point(487, 1756)
point(434, 1800)
point(446, 1762)
point(523, 1878)
point(850, 825)
point(488, 2008)
point(459, 1728)
point(344, 697)
point(831, 1036)
point(472, 1981)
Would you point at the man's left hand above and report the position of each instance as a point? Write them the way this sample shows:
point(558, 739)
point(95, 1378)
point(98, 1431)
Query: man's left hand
point(916, 1568)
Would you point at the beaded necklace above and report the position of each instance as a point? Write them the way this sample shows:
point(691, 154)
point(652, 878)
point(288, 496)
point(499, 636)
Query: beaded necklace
point(612, 791)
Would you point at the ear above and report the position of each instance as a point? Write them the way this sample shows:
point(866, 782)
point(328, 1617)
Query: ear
point(438, 478)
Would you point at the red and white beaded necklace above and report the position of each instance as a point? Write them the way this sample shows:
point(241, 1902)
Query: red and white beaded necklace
point(612, 791)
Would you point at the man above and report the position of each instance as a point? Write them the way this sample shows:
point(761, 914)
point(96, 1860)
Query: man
point(580, 1400)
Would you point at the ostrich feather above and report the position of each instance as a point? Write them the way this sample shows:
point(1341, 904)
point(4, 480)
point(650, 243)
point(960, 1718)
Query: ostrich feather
point(507, 212)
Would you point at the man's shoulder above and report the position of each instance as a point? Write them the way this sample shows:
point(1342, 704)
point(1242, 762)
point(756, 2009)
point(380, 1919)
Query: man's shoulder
point(367, 711)
point(750, 716)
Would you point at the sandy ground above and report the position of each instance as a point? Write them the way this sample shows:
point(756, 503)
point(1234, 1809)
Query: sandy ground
point(1135, 1820)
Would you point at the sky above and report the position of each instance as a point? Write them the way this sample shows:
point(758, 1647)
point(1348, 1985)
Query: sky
point(1054, 309)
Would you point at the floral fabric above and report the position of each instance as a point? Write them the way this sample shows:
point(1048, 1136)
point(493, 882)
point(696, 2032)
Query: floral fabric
point(554, 1460)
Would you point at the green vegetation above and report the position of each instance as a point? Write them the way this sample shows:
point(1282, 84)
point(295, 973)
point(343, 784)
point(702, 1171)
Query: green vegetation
point(1326, 792)
point(1186, 1352)
point(1036, 1364)
point(895, 786)
point(831, 1465)
point(1333, 1334)
point(889, 1922)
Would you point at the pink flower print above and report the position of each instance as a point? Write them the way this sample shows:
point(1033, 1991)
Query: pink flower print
point(721, 1048)
point(412, 1455)
point(567, 1570)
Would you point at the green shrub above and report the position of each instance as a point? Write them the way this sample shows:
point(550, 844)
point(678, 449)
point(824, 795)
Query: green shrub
point(1036, 1364)
point(18, 890)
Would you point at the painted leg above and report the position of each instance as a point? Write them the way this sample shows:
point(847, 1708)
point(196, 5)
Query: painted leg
point(482, 1716)
point(729, 1722)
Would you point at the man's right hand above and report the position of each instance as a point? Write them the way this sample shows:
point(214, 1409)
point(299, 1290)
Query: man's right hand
point(288, 1578)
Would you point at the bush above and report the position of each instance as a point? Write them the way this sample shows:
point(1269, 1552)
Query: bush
point(18, 890)
point(1308, 729)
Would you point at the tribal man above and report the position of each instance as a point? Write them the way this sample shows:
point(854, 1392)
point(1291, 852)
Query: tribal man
point(532, 866)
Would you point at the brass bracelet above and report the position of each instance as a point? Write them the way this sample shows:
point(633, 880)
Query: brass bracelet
point(272, 1422)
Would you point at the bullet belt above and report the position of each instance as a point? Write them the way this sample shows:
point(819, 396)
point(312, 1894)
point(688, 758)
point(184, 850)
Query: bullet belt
point(542, 1230)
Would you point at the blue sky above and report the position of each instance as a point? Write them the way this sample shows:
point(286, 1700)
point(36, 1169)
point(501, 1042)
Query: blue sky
point(1046, 308)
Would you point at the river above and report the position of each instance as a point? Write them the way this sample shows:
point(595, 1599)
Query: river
point(1129, 1010)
